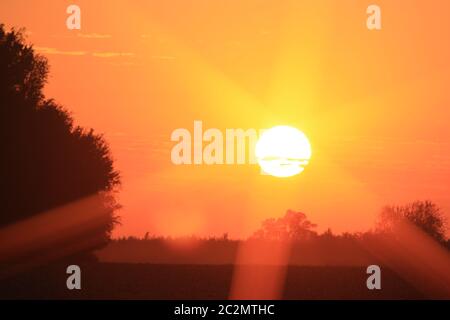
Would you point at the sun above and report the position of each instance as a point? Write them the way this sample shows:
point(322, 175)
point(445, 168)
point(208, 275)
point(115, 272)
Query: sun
point(283, 151)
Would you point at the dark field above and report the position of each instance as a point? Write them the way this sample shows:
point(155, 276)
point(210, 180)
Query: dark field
point(147, 281)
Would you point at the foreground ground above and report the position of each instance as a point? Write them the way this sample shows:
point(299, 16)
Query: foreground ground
point(146, 281)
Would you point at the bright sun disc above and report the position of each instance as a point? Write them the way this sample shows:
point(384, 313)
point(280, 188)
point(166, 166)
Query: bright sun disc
point(283, 151)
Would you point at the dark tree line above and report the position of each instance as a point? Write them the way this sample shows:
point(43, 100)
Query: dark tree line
point(425, 215)
point(46, 160)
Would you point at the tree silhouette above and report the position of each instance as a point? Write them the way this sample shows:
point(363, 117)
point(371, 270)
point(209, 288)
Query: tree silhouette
point(292, 226)
point(46, 160)
point(423, 214)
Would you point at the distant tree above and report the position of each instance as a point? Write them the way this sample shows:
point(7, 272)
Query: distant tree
point(292, 226)
point(328, 235)
point(424, 214)
point(46, 161)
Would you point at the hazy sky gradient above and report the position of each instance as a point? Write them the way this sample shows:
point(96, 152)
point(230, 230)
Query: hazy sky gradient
point(375, 105)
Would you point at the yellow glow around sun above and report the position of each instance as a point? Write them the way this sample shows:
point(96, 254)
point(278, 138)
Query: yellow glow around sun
point(283, 151)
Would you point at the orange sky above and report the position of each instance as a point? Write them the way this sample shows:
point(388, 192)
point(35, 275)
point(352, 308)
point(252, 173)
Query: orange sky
point(374, 104)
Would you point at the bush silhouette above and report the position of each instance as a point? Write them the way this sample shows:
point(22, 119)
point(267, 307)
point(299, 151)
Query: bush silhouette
point(292, 226)
point(425, 215)
point(46, 160)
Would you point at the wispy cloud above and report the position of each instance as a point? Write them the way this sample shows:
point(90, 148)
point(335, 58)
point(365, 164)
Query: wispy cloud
point(94, 36)
point(47, 50)
point(112, 54)
point(105, 54)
